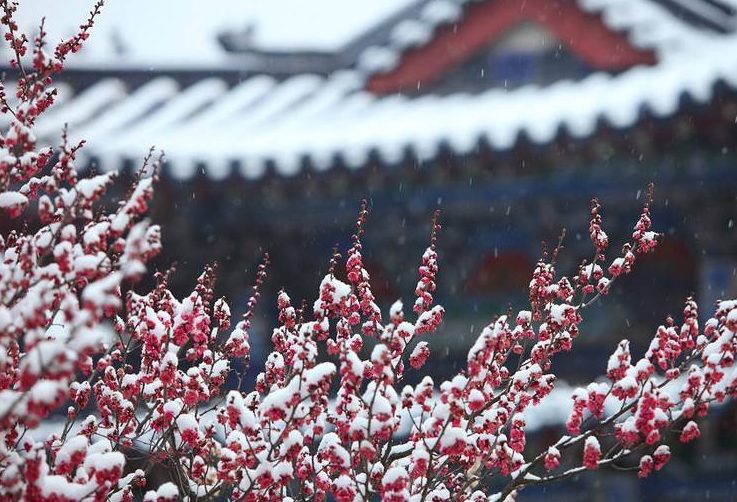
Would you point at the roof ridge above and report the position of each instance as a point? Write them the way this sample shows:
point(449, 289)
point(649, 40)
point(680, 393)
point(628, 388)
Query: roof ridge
point(648, 25)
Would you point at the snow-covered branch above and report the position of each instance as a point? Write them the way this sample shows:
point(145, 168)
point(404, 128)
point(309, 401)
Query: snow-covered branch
point(329, 415)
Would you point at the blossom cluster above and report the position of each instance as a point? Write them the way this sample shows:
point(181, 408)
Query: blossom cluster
point(144, 375)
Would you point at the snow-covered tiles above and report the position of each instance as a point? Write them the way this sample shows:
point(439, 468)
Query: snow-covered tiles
point(262, 121)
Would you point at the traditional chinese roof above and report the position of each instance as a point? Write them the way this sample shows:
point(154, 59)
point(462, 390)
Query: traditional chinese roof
point(265, 122)
point(662, 26)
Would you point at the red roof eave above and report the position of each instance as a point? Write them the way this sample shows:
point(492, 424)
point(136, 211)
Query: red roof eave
point(483, 23)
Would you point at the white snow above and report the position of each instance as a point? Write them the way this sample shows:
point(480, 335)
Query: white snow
point(186, 421)
point(440, 11)
point(47, 391)
point(70, 447)
point(174, 111)
point(87, 187)
point(119, 116)
point(394, 474)
point(358, 123)
point(167, 491)
point(82, 108)
point(104, 460)
point(11, 199)
point(411, 33)
point(592, 442)
point(419, 348)
point(260, 120)
point(52, 485)
point(319, 373)
point(558, 312)
point(396, 308)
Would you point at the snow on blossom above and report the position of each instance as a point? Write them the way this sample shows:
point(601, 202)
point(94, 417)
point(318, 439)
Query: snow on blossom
point(591, 453)
point(325, 416)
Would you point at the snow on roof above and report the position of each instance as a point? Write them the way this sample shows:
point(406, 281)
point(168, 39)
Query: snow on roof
point(83, 107)
point(648, 24)
point(263, 122)
point(161, 33)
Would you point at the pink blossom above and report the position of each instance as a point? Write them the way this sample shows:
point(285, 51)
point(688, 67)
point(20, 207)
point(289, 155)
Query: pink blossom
point(591, 453)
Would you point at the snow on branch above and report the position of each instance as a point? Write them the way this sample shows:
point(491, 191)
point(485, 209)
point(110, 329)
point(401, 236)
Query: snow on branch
point(144, 375)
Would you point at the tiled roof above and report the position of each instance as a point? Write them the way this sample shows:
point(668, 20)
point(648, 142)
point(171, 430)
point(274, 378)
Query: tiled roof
point(650, 24)
point(263, 122)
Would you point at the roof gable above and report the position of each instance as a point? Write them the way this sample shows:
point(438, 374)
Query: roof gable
point(529, 53)
point(483, 24)
point(256, 124)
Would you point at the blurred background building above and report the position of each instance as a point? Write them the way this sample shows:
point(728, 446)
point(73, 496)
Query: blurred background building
point(278, 117)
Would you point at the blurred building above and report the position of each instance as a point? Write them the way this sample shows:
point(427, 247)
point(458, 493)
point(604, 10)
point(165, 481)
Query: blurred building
point(508, 115)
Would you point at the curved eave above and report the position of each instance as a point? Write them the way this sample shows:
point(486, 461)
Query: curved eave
point(262, 124)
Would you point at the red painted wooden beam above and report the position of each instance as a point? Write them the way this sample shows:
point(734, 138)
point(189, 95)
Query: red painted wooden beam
point(584, 34)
